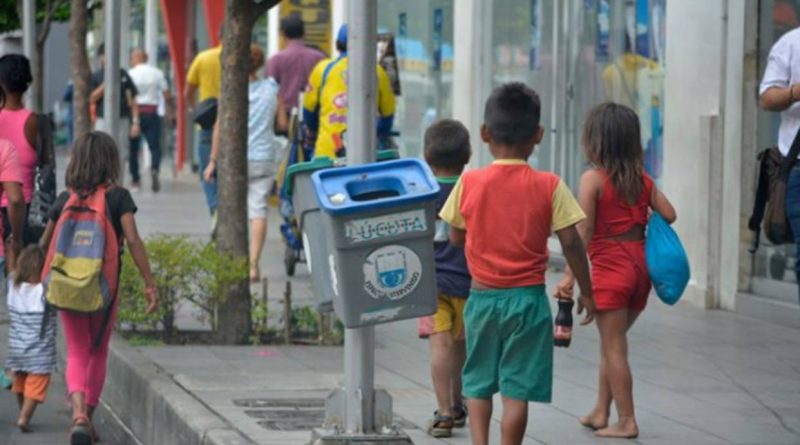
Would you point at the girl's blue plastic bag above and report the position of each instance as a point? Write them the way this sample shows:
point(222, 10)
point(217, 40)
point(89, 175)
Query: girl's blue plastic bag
point(667, 262)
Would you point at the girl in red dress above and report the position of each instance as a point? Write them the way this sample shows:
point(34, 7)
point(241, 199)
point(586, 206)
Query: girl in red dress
point(616, 195)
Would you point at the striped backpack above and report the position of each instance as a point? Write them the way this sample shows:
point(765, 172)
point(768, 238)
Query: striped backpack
point(81, 272)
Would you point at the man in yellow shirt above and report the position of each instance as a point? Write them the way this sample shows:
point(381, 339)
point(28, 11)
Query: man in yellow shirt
point(203, 80)
point(325, 102)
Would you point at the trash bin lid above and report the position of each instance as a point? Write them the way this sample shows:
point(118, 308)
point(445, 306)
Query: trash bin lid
point(315, 164)
point(381, 185)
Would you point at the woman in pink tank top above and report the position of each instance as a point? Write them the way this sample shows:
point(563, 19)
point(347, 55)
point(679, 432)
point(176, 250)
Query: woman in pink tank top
point(18, 124)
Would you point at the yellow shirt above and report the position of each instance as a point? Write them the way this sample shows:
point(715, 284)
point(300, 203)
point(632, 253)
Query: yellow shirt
point(330, 104)
point(205, 73)
point(509, 210)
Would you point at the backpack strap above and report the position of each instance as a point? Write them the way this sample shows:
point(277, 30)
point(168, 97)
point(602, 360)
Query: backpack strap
point(325, 74)
point(45, 155)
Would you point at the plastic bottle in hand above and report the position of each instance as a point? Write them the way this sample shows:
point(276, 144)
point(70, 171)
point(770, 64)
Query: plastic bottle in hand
point(562, 333)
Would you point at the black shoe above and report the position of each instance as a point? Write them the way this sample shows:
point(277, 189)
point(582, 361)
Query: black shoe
point(156, 183)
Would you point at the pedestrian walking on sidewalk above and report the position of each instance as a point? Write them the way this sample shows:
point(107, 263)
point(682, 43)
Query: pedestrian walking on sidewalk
point(780, 92)
point(94, 168)
point(263, 154)
point(325, 103)
point(152, 86)
point(504, 214)
point(617, 197)
point(291, 66)
point(32, 335)
point(19, 126)
point(447, 151)
point(129, 121)
point(203, 83)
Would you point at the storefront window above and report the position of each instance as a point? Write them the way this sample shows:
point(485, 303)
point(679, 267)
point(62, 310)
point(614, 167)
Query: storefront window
point(773, 265)
point(576, 54)
point(423, 31)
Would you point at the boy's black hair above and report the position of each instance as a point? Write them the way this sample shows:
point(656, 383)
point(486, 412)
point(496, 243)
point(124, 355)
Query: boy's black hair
point(293, 27)
point(15, 73)
point(447, 144)
point(512, 114)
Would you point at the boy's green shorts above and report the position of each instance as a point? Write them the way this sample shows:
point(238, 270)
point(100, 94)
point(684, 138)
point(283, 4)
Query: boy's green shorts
point(509, 344)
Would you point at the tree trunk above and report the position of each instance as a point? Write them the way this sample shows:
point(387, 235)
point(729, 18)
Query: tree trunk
point(234, 323)
point(38, 77)
point(79, 66)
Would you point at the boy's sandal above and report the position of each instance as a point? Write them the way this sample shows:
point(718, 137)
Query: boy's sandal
point(81, 431)
point(459, 416)
point(440, 426)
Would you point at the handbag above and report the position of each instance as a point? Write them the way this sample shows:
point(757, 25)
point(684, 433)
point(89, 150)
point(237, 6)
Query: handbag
point(205, 115)
point(667, 263)
point(769, 209)
point(44, 192)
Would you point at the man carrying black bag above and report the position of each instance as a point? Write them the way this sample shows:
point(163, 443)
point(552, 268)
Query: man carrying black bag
point(780, 92)
point(203, 82)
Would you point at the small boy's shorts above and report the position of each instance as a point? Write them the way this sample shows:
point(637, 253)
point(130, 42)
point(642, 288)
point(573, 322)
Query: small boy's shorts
point(31, 386)
point(449, 317)
point(509, 344)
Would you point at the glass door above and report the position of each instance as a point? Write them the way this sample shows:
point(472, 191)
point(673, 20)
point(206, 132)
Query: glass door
point(773, 266)
point(576, 54)
point(423, 32)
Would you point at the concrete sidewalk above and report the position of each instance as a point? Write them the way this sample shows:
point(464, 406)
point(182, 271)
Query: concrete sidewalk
point(701, 377)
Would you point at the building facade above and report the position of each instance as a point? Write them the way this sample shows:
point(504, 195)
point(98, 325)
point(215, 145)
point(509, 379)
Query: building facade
point(690, 69)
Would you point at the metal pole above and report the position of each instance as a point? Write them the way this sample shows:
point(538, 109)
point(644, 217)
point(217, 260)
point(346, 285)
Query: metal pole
point(151, 31)
point(29, 39)
point(125, 33)
point(111, 94)
point(359, 344)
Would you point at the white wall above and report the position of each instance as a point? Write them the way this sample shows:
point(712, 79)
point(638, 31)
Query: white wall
point(693, 90)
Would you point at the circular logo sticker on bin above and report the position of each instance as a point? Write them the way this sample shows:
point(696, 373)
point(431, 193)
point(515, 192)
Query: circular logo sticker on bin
point(392, 271)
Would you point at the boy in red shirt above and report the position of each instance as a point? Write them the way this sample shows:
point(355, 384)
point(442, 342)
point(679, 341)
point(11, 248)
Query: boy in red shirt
point(504, 214)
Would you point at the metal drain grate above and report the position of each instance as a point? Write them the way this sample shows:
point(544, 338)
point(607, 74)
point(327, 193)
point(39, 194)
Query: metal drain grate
point(280, 403)
point(294, 414)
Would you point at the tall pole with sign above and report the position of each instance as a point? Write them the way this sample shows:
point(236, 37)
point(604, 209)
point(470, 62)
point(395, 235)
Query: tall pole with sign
point(366, 413)
point(359, 343)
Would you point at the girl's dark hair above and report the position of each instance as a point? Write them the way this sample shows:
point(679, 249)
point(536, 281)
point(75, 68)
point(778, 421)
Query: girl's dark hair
point(15, 73)
point(94, 162)
point(29, 265)
point(612, 141)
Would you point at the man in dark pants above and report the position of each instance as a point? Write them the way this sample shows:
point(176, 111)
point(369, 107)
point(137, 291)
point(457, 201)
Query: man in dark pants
point(780, 92)
point(152, 85)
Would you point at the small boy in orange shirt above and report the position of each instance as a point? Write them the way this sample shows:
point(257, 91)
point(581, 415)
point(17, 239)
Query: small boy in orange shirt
point(504, 215)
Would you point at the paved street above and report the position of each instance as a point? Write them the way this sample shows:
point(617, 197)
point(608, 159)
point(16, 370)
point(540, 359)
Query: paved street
point(701, 377)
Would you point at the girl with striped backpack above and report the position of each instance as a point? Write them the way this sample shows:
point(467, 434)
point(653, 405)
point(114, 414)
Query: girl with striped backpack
point(84, 237)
